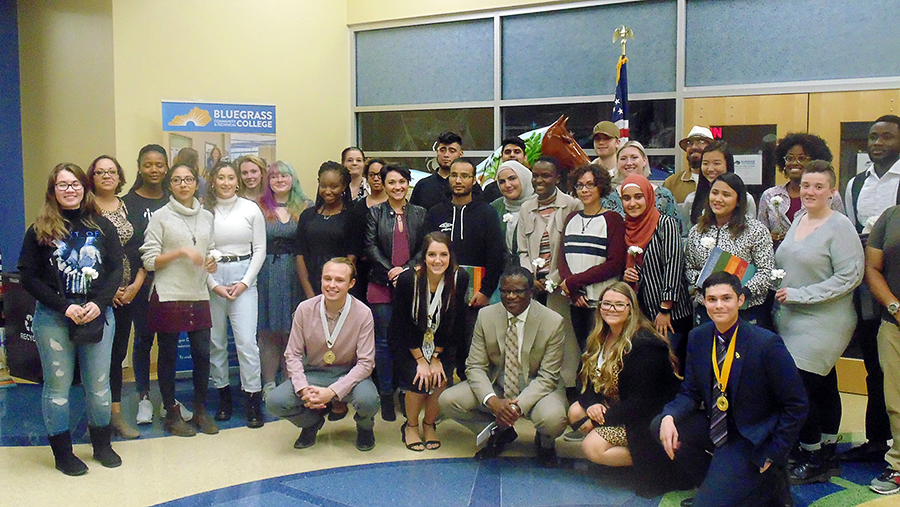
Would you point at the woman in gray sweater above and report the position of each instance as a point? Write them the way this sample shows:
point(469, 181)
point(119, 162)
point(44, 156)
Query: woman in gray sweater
point(822, 260)
point(177, 248)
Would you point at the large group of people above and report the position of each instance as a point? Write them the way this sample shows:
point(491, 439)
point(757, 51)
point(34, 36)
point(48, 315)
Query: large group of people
point(674, 327)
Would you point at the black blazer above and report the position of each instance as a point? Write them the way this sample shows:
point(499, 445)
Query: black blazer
point(379, 242)
point(766, 395)
point(646, 383)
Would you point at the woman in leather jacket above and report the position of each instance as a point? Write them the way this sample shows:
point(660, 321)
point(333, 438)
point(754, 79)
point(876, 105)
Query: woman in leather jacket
point(394, 233)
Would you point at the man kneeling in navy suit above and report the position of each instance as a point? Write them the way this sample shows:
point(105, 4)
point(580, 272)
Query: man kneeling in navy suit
point(744, 410)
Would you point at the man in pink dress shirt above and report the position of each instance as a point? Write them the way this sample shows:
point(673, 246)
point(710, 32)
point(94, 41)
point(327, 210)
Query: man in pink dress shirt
point(330, 356)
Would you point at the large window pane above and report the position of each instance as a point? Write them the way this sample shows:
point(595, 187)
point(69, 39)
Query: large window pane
point(418, 130)
point(652, 122)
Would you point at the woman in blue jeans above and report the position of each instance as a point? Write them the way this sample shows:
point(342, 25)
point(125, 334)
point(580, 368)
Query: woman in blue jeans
point(71, 262)
point(394, 233)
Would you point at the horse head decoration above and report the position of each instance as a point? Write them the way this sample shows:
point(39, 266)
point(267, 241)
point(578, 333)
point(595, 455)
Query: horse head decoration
point(559, 143)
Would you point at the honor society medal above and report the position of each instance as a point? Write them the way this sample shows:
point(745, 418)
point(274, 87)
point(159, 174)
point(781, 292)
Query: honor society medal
point(329, 359)
point(429, 336)
point(722, 403)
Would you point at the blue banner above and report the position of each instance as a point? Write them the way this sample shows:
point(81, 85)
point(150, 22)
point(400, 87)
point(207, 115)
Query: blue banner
point(203, 117)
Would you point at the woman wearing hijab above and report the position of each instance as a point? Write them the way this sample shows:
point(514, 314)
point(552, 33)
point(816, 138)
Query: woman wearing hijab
point(654, 265)
point(514, 181)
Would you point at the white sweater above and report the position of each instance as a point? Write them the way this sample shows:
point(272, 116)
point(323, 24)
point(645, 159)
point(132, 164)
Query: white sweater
point(240, 229)
point(174, 226)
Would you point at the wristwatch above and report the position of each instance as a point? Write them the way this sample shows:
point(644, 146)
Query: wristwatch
point(893, 308)
point(665, 311)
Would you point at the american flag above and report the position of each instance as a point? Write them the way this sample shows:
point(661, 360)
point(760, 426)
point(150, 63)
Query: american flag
point(620, 105)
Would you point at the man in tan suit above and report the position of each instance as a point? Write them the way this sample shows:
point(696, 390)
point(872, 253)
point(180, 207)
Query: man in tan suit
point(513, 372)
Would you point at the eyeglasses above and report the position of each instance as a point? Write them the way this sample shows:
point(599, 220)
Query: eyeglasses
point(62, 186)
point(187, 179)
point(103, 174)
point(802, 159)
point(618, 307)
point(697, 142)
point(586, 186)
point(513, 292)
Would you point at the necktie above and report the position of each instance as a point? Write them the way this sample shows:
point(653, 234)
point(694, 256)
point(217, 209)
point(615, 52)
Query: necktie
point(718, 427)
point(511, 368)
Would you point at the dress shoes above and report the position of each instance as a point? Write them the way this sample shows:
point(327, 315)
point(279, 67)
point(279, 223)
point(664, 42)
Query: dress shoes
point(496, 443)
point(307, 436)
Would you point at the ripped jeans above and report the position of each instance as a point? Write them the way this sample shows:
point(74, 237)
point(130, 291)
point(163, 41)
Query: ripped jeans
point(51, 332)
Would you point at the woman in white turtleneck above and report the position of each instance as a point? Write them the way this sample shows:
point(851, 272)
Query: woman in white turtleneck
point(239, 231)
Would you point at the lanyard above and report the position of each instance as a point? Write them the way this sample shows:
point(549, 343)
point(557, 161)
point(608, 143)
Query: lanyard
point(722, 378)
point(434, 305)
point(331, 336)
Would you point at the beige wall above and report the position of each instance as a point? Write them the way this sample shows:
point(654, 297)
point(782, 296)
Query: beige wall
point(293, 54)
point(369, 11)
point(66, 69)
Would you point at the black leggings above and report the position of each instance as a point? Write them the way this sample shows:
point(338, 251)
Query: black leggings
point(119, 350)
point(824, 406)
point(168, 352)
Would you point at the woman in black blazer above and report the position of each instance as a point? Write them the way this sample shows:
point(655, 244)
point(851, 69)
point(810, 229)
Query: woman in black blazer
point(627, 376)
point(427, 322)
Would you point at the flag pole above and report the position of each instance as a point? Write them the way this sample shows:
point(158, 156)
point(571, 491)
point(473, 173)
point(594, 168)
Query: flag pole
point(620, 104)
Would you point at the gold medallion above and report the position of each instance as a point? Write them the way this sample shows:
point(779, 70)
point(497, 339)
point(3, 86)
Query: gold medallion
point(429, 336)
point(722, 403)
point(329, 357)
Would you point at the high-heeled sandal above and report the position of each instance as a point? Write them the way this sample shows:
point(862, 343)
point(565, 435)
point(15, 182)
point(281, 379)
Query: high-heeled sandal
point(414, 446)
point(432, 445)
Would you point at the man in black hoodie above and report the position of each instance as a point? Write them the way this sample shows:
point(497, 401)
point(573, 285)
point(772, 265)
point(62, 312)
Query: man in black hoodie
point(476, 238)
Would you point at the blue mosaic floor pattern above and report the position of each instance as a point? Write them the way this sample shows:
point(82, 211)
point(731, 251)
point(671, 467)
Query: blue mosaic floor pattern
point(21, 423)
point(457, 482)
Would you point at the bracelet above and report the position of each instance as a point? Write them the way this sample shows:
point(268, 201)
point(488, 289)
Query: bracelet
point(417, 358)
point(665, 311)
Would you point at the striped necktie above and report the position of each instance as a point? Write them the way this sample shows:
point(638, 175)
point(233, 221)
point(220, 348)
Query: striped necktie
point(718, 427)
point(511, 367)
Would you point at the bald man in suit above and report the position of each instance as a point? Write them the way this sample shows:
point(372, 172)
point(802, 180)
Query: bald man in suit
point(513, 372)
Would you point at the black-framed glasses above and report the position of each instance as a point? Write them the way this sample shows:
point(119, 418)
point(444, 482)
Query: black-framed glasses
point(187, 179)
point(103, 174)
point(618, 307)
point(62, 186)
point(587, 186)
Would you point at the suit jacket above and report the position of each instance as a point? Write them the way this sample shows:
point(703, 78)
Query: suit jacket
point(767, 400)
point(542, 350)
point(528, 234)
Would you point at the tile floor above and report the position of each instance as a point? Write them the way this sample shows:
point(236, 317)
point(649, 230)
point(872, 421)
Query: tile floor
point(244, 467)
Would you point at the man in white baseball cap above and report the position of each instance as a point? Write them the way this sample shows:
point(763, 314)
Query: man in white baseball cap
point(684, 182)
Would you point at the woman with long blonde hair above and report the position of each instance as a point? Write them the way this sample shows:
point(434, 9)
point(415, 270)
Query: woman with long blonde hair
point(627, 376)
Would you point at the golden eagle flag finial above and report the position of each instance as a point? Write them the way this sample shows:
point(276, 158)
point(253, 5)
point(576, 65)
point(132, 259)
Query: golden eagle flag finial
point(621, 35)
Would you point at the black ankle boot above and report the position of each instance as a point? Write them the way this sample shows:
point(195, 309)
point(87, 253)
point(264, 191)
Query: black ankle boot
point(388, 411)
point(66, 461)
point(103, 451)
point(254, 410)
point(225, 406)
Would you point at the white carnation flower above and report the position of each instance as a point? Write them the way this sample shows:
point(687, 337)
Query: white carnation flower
point(215, 254)
point(507, 218)
point(777, 274)
point(539, 262)
point(550, 286)
point(708, 243)
point(636, 250)
point(777, 201)
point(89, 272)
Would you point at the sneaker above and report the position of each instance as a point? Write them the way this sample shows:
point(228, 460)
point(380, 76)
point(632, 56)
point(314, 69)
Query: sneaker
point(186, 414)
point(145, 411)
point(574, 436)
point(886, 484)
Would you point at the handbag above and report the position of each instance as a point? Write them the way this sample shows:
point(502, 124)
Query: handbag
point(91, 332)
